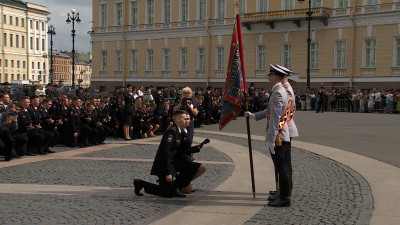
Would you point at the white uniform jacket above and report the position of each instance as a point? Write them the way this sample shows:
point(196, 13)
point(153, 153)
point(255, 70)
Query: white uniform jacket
point(292, 125)
point(277, 106)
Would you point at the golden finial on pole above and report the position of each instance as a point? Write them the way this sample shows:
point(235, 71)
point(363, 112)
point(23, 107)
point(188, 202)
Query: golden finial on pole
point(237, 4)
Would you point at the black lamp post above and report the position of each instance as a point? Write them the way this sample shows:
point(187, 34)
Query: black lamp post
point(309, 14)
point(73, 17)
point(51, 31)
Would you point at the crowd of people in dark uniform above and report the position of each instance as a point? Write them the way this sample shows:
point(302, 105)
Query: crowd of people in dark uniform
point(36, 124)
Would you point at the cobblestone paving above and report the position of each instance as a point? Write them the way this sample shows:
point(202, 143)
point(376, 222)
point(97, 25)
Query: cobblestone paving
point(47, 209)
point(325, 192)
point(94, 173)
point(146, 151)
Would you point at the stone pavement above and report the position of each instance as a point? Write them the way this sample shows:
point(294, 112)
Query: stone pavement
point(94, 186)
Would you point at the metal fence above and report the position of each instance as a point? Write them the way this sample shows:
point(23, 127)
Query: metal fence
point(360, 106)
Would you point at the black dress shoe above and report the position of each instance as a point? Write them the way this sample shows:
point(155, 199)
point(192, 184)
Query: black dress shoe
point(30, 154)
point(279, 202)
point(138, 186)
point(49, 151)
point(177, 193)
point(273, 192)
point(272, 198)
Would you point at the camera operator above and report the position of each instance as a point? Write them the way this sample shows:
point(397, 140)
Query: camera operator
point(186, 103)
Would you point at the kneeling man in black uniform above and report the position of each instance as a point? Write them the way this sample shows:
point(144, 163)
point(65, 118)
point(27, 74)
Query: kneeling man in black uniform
point(170, 161)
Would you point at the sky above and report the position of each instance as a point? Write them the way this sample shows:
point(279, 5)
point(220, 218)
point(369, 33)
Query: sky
point(59, 9)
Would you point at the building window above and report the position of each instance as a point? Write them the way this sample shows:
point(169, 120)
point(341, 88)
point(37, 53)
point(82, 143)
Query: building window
point(287, 55)
point(16, 21)
point(201, 59)
point(118, 61)
point(314, 55)
point(18, 76)
point(23, 76)
point(6, 63)
point(103, 15)
point(288, 4)
point(103, 61)
point(33, 65)
point(372, 2)
point(4, 19)
point(38, 65)
point(150, 12)
point(5, 39)
point(22, 41)
point(263, 5)
point(370, 53)
point(17, 41)
point(118, 14)
point(10, 21)
point(30, 24)
point(202, 9)
point(260, 57)
point(166, 60)
point(133, 60)
point(149, 60)
point(37, 25)
point(31, 42)
point(23, 64)
point(12, 77)
point(219, 64)
point(220, 9)
point(183, 59)
point(397, 52)
point(134, 13)
point(167, 11)
point(184, 10)
point(242, 6)
point(12, 63)
point(44, 65)
point(18, 64)
point(43, 45)
point(340, 57)
point(37, 43)
point(316, 4)
point(11, 40)
point(343, 3)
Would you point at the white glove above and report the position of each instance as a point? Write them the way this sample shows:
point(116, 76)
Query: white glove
point(249, 114)
point(271, 147)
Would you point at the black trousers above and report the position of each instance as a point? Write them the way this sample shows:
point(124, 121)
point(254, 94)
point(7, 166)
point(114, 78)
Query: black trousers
point(6, 144)
point(284, 171)
point(164, 188)
point(21, 143)
point(36, 142)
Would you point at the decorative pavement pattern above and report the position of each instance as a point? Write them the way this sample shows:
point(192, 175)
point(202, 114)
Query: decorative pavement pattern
point(325, 192)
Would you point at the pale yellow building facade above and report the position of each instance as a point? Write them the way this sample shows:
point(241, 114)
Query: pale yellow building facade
point(23, 52)
point(354, 43)
point(62, 68)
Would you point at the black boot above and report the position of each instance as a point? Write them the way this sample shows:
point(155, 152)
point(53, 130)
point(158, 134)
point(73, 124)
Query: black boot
point(177, 193)
point(138, 186)
point(280, 202)
point(272, 198)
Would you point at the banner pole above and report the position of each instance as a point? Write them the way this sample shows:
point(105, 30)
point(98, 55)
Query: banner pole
point(239, 27)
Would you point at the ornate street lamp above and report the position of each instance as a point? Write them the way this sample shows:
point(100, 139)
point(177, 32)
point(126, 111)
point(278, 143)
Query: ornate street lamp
point(51, 31)
point(309, 14)
point(73, 17)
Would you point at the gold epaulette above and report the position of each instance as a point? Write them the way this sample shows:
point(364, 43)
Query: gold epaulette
point(276, 89)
